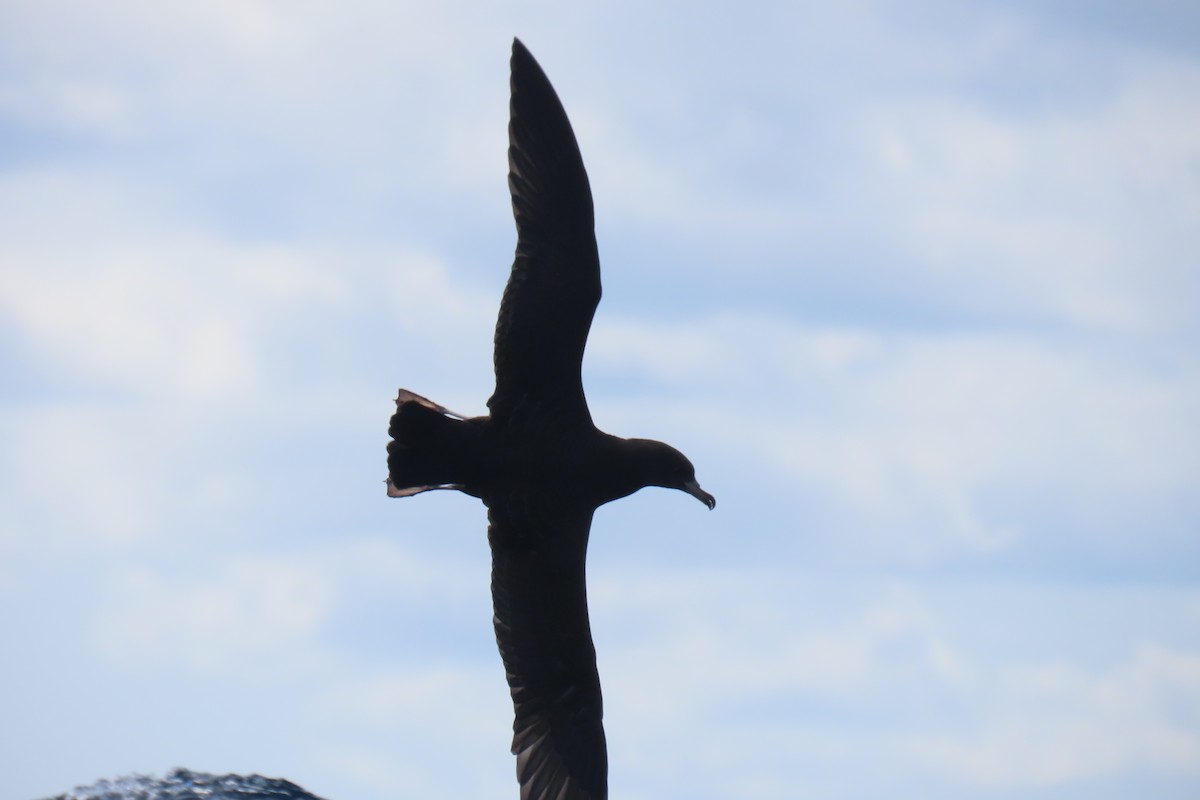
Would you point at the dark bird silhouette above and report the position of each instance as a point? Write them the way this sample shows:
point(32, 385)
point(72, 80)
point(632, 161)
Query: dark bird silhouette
point(538, 463)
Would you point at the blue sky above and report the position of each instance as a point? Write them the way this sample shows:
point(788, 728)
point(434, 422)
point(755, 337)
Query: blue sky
point(914, 285)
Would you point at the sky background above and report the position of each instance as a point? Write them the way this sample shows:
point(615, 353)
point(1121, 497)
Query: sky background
point(916, 286)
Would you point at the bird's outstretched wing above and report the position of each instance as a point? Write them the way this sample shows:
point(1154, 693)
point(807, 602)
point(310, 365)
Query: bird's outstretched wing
point(541, 618)
point(554, 287)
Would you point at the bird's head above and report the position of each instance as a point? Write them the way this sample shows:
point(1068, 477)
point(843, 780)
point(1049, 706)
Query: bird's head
point(663, 465)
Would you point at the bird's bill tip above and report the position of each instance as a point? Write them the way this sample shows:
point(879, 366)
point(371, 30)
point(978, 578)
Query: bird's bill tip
point(693, 488)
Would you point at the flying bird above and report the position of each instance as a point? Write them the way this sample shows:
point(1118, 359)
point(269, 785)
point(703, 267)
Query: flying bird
point(536, 460)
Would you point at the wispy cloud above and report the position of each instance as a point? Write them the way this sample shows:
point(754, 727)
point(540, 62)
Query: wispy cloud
point(251, 610)
point(1048, 725)
point(909, 438)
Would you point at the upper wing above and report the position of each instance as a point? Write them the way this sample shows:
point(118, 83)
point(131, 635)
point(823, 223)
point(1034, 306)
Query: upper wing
point(541, 619)
point(554, 287)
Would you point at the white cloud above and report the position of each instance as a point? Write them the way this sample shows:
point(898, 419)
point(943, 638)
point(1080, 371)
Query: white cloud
point(396, 566)
point(140, 299)
point(77, 106)
point(1076, 211)
point(79, 477)
point(771, 669)
point(748, 635)
point(1050, 725)
point(905, 435)
point(427, 298)
point(942, 420)
point(254, 609)
point(136, 307)
point(448, 698)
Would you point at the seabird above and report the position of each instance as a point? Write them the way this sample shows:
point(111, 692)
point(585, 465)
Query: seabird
point(536, 460)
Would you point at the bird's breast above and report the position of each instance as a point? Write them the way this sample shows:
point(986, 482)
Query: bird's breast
point(547, 466)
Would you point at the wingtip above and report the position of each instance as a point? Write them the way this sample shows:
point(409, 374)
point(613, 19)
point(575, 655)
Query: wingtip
point(523, 62)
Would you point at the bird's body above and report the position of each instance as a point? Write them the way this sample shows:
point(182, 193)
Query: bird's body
point(536, 460)
point(434, 449)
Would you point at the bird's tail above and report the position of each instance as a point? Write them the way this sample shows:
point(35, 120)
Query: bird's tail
point(431, 447)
